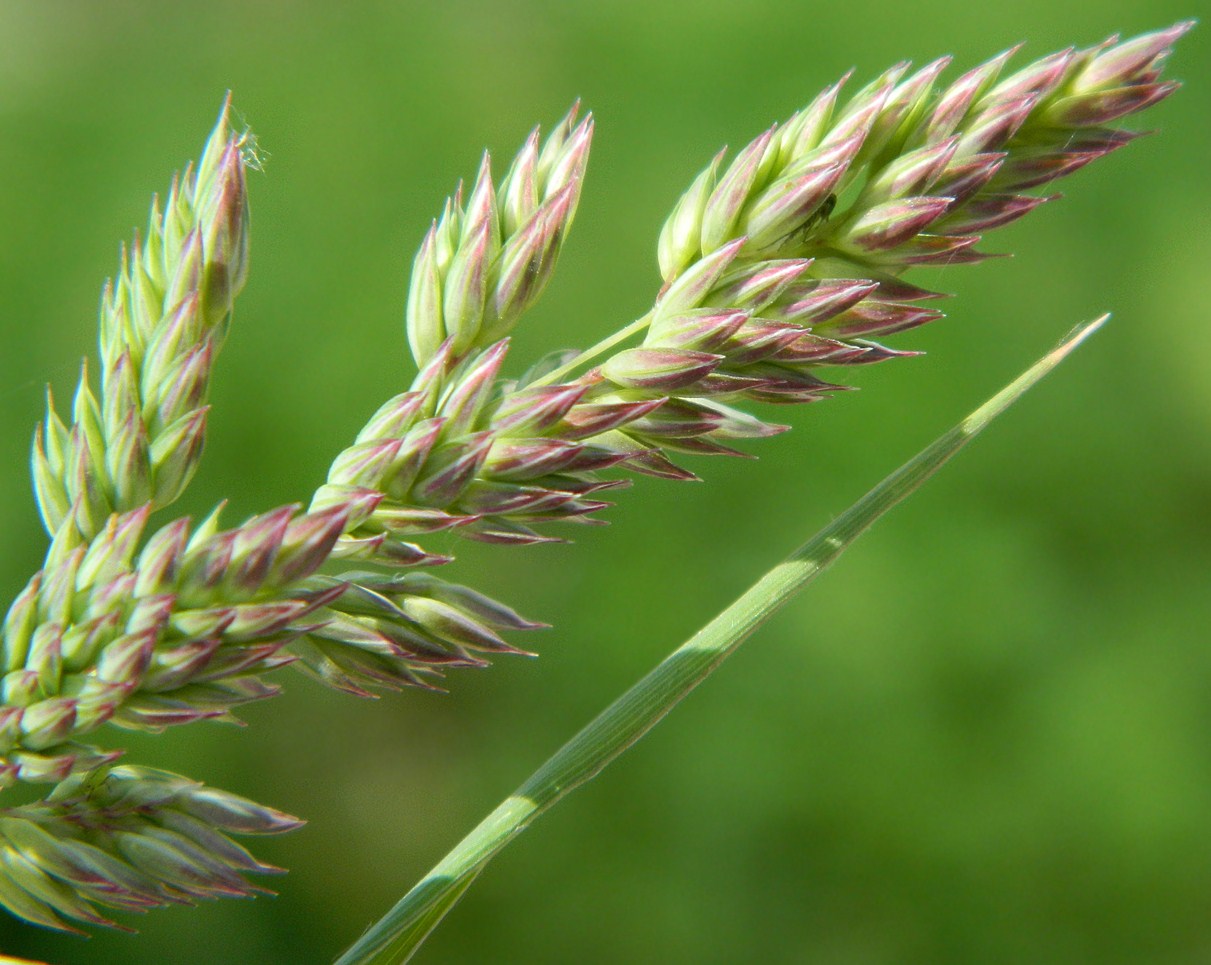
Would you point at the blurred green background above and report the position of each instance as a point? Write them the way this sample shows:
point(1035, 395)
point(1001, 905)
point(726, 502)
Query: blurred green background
point(986, 737)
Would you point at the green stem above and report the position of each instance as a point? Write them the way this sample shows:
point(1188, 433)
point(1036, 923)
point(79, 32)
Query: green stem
point(400, 932)
point(637, 326)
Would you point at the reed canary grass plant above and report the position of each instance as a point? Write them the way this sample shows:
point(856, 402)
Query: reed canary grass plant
point(785, 259)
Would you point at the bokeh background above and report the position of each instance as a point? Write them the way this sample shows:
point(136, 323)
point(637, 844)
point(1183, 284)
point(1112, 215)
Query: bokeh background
point(985, 737)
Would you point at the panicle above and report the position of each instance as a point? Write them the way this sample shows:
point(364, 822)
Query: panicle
point(786, 259)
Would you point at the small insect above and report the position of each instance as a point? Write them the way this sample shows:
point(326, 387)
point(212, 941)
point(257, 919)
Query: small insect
point(818, 217)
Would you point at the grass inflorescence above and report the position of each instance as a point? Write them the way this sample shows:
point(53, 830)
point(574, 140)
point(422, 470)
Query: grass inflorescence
point(787, 259)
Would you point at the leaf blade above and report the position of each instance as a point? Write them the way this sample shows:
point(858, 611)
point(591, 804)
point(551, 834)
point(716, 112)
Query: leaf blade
point(398, 935)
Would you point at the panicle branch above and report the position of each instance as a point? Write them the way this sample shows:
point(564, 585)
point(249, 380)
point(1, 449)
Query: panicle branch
point(131, 839)
point(162, 324)
point(786, 260)
point(485, 262)
point(909, 171)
